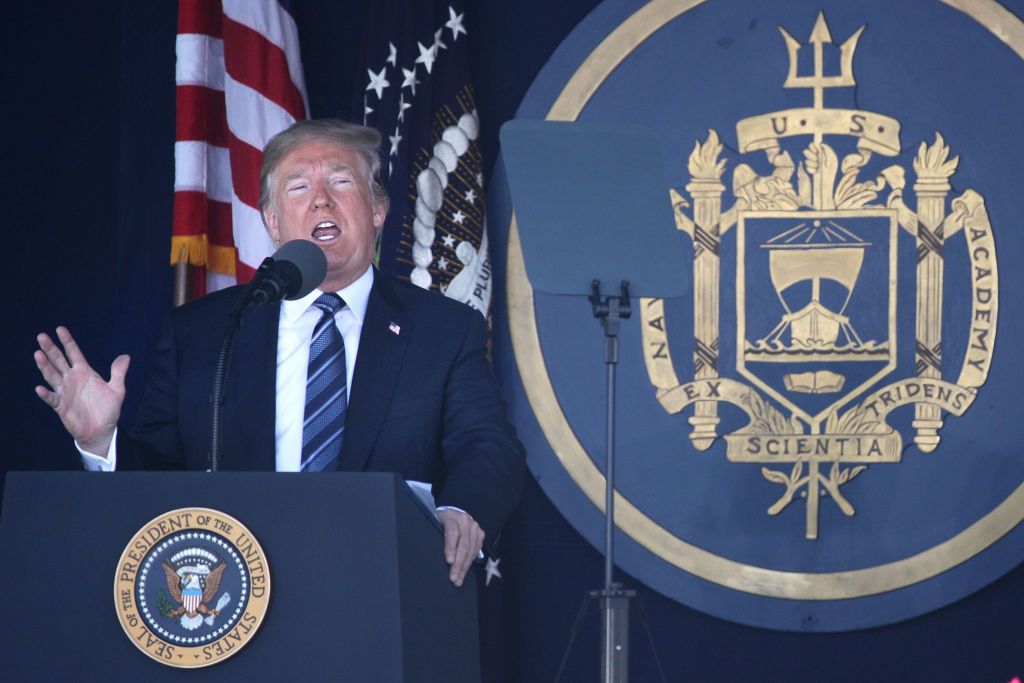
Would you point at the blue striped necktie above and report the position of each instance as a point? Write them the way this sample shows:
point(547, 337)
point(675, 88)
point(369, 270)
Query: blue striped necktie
point(323, 426)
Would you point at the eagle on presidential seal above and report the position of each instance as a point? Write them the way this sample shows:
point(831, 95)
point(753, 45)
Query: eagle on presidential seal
point(193, 584)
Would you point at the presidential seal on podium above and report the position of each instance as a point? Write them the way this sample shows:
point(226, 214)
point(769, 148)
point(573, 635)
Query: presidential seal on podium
point(192, 587)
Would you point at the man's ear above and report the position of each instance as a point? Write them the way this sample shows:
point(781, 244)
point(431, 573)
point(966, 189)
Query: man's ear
point(270, 220)
point(380, 212)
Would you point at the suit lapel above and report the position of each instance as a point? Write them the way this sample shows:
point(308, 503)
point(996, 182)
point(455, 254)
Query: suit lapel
point(382, 345)
point(250, 411)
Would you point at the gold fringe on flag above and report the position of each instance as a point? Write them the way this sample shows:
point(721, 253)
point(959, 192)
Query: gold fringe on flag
point(221, 259)
point(190, 249)
point(196, 251)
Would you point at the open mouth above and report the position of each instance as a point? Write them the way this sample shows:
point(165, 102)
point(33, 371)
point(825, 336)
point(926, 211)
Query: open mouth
point(325, 231)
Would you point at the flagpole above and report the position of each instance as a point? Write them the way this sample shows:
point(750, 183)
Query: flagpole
point(181, 279)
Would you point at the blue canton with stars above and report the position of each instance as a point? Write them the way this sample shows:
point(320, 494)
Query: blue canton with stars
point(419, 96)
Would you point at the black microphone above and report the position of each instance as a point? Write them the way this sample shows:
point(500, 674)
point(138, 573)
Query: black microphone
point(295, 270)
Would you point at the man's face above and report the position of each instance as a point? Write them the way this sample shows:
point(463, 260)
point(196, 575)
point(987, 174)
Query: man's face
point(320, 192)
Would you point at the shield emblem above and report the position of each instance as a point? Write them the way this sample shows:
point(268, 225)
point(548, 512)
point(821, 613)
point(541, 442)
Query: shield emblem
point(191, 597)
point(816, 305)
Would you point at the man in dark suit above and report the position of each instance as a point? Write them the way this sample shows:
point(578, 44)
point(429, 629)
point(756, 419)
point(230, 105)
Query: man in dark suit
point(416, 393)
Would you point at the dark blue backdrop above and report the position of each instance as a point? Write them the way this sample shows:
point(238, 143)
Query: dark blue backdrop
point(90, 124)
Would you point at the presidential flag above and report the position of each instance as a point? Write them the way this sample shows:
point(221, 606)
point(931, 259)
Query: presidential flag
point(419, 96)
point(239, 81)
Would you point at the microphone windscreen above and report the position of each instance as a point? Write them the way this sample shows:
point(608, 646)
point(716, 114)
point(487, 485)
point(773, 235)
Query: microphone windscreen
point(303, 266)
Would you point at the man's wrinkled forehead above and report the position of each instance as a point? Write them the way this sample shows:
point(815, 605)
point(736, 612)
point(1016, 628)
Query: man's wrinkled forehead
point(296, 163)
point(303, 168)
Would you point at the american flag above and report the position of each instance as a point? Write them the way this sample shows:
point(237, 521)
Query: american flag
point(420, 97)
point(239, 81)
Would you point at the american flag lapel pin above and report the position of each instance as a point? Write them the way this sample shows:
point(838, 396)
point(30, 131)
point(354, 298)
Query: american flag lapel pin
point(394, 328)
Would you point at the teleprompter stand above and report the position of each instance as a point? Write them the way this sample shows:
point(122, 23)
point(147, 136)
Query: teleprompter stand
point(613, 599)
point(592, 206)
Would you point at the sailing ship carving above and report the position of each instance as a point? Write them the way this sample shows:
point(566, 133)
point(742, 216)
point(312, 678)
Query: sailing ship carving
point(809, 253)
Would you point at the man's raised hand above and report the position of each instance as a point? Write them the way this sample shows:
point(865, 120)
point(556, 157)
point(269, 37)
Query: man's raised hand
point(87, 405)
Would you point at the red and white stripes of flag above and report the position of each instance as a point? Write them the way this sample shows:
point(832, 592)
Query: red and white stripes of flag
point(239, 81)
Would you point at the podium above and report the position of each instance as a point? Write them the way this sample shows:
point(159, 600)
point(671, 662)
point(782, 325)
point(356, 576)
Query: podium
point(359, 585)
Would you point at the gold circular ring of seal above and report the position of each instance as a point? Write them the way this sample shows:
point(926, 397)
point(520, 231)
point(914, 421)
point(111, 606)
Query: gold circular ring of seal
point(192, 587)
point(629, 518)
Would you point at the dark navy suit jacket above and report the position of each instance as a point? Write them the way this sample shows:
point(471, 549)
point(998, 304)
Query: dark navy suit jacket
point(424, 402)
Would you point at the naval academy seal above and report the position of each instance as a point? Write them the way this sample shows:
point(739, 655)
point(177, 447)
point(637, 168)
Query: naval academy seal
point(192, 587)
point(823, 437)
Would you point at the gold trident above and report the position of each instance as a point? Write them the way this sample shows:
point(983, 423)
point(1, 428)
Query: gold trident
point(819, 81)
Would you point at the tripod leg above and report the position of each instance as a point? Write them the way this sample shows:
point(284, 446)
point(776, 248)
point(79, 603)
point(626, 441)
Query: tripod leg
point(646, 620)
point(576, 626)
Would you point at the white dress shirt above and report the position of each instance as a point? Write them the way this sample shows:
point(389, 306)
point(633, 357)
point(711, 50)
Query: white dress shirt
point(294, 333)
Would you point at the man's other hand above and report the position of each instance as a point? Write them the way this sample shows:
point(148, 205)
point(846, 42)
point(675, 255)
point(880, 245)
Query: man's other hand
point(463, 539)
point(87, 405)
